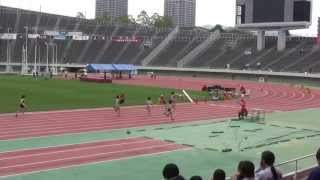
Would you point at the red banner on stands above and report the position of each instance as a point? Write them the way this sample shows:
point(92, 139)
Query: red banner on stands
point(124, 39)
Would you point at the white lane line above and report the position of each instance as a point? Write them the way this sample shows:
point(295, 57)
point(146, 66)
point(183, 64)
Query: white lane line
point(94, 163)
point(88, 156)
point(71, 144)
point(76, 149)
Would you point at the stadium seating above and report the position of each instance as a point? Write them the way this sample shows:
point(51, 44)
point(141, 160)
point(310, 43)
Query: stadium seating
point(235, 50)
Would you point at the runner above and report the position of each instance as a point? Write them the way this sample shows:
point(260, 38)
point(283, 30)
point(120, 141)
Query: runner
point(122, 99)
point(149, 105)
point(173, 98)
point(162, 100)
point(116, 106)
point(169, 110)
point(22, 105)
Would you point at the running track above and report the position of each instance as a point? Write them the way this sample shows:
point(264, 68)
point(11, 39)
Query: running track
point(271, 97)
point(27, 161)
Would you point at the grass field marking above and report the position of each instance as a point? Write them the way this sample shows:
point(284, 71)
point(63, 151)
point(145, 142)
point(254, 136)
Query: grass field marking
point(75, 149)
point(98, 162)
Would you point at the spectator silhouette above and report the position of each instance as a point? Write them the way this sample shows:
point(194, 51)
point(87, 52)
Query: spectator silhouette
point(171, 172)
point(196, 178)
point(315, 174)
point(245, 171)
point(267, 170)
point(219, 174)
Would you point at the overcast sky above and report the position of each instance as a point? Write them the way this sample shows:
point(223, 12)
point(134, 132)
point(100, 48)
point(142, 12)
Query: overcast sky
point(209, 12)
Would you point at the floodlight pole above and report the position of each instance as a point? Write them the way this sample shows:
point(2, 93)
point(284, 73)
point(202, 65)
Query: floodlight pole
point(35, 57)
point(52, 60)
point(56, 45)
point(26, 50)
point(0, 29)
point(47, 66)
point(8, 65)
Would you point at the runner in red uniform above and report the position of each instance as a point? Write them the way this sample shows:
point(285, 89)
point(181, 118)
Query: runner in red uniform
point(243, 111)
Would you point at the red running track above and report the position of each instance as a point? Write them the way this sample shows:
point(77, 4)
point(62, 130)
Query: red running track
point(80, 121)
point(270, 97)
point(27, 161)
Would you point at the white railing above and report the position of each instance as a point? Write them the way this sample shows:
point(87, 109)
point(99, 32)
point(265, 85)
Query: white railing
point(299, 170)
point(299, 166)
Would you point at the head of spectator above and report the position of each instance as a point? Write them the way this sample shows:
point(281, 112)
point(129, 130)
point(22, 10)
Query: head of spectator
point(196, 178)
point(171, 172)
point(267, 161)
point(219, 174)
point(245, 170)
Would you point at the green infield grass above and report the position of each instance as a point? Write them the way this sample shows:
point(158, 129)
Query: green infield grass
point(43, 95)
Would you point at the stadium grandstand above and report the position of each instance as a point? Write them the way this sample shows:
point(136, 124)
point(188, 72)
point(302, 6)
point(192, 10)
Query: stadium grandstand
point(69, 40)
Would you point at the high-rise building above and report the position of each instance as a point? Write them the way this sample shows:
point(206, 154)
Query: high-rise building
point(182, 12)
point(111, 8)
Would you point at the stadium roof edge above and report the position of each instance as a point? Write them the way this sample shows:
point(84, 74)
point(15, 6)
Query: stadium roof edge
point(32, 11)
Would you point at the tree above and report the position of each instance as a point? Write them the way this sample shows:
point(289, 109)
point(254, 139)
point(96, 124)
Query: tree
point(80, 15)
point(126, 20)
point(132, 19)
point(144, 19)
point(104, 20)
point(217, 27)
point(155, 18)
point(161, 21)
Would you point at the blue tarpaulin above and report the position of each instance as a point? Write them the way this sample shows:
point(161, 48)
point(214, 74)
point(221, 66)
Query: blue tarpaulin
point(124, 67)
point(110, 68)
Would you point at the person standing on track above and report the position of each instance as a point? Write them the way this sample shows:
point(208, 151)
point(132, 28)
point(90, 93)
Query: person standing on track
point(243, 111)
point(149, 105)
point(169, 110)
point(116, 106)
point(22, 105)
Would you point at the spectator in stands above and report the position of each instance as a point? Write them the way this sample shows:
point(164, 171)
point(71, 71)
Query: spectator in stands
point(267, 170)
point(65, 74)
point(259, 65)
point(171, 172)
point(219, 174)
point(245, 171)
point(196, 178)
point(315, 174)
